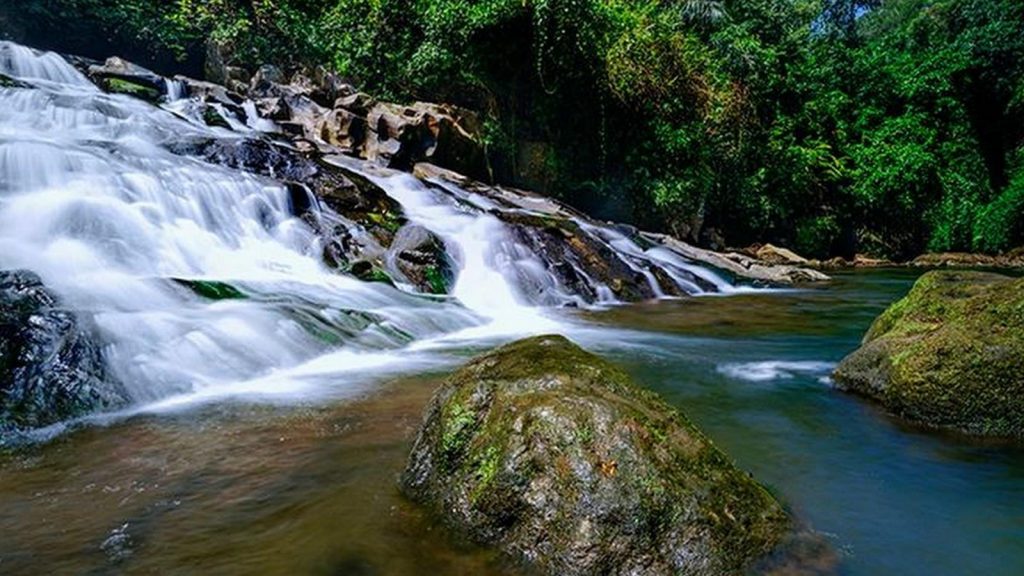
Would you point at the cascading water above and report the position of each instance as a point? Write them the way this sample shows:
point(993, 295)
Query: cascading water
point(93, 201)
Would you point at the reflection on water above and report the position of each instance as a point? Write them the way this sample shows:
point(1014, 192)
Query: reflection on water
point(229, 490)
point(236, 488)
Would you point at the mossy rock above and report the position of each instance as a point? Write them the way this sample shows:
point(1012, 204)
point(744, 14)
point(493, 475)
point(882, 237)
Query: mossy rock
point(554, 456)
point(949, 355)
point(129, 88)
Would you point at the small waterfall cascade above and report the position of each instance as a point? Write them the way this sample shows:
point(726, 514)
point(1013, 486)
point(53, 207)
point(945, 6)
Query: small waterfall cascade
point(120, 228)
point(201, 281)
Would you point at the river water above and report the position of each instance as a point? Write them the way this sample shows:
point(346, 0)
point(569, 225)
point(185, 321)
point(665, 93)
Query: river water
point(257, 444)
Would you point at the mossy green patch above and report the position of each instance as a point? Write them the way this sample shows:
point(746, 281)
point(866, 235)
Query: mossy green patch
point(211, 289)
point(950, 355)
point(435, 280)
point(121, 86)
point(386, 219)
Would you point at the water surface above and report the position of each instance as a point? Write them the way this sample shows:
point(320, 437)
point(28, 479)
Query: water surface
point(234, 487)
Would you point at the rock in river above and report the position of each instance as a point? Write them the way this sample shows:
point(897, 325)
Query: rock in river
point(949, 355)
point(554, 456)
point(50, 367)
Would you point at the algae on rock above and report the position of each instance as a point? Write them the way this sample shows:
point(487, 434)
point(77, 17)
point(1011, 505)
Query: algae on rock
point(554, 456)
point(949, 355)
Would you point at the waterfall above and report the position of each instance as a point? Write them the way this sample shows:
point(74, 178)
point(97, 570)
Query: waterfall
point(94, 202)
point(114, 223)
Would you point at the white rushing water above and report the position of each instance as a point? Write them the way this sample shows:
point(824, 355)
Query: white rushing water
point(93, 202)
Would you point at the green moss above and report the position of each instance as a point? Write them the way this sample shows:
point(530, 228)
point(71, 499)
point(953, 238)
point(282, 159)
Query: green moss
point(486, 470)
point(386, 219)
point(8, 82)
point(435, 280)
point(121, 86)
point(458, 423)
point(950, 354)
point(211, 289)
point(368, 272)
point(213, 118)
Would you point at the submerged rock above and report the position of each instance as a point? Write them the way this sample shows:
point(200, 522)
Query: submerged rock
point(949, 355)
point(557, 458)
point(50, 367)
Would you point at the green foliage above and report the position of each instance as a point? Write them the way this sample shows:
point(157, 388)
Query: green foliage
point(893, 124)
point(1000, 224)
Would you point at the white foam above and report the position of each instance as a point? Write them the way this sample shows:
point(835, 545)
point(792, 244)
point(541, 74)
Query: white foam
point(769, 370)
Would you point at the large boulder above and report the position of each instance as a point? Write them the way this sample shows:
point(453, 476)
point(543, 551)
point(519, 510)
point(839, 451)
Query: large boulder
point(948, 355)
point(558, 459)
point(51, 369)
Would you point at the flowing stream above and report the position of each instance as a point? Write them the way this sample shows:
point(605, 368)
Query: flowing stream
point(265, 433)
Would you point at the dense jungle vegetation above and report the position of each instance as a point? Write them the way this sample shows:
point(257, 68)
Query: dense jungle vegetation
point(883, 126)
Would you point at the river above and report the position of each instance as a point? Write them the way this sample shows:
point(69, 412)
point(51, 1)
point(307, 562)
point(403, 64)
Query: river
point(255, 444)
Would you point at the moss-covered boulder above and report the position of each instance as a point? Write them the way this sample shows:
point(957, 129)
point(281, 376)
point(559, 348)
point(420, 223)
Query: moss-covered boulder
point(558, 459)
point(949, 355)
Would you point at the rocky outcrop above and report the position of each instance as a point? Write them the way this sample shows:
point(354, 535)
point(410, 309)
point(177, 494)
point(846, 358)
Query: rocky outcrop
point(400, 136)
point(555, 457)
point(742, 266)
point(949, 355)
point(51, 368)
point(122, 77)
point(1013, 259)
point(772, 254)
point(315, 116)
point(580, 248)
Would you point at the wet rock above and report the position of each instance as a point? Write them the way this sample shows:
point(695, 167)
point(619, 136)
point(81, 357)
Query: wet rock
point(581, 261)
point(214, 67)
point(118, 546)
point(580, 252)
point(422, 257)
point(1013, 259)
point(51, 368)
point(357, 103)
point(122, 77)
point(400, 136)
point(8, 82)
point(370, 217)
point(555, 457)
point(210, 289)
point(266, 78)
point(949, 355)
point(740, 265)
point(210, 92)
point(343, 129)
point(771, 254)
